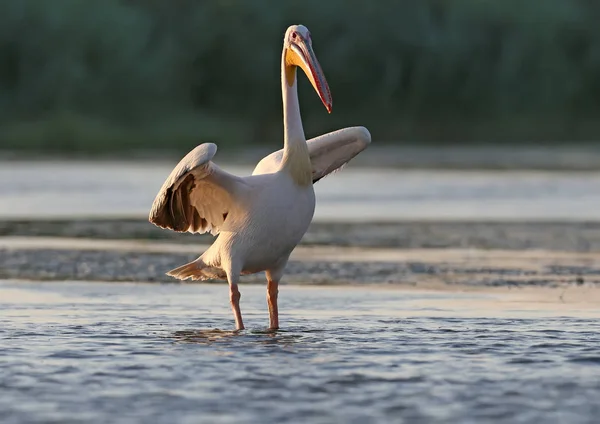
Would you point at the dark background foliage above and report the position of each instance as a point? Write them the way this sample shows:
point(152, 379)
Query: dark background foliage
point(106, 75)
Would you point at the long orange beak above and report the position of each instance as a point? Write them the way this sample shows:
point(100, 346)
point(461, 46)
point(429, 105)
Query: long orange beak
point(301, 54)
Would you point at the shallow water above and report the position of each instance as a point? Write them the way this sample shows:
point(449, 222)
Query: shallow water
point(95, 352)
point(116, 189)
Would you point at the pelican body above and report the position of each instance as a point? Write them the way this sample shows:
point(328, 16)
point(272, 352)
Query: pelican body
point(258, 219)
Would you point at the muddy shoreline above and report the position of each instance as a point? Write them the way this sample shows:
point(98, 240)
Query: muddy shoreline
point(411, 254)
point(554, 236)
point(139, 266)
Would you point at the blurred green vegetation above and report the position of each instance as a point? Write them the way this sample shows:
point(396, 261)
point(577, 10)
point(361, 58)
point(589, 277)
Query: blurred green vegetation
point(98, 75)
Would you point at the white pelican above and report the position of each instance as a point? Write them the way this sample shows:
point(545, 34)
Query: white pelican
point(260, 218)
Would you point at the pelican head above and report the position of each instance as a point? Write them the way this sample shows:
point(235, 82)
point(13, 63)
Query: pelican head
point(298, 52)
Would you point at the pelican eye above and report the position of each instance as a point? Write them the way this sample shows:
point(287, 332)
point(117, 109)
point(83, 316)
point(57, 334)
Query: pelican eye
point(294, 35)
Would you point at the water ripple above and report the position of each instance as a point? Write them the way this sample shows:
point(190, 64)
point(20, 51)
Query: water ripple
point(117, 360)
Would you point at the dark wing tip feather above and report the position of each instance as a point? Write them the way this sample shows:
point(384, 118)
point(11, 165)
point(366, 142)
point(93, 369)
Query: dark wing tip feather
point(171, 208)
point(159, 214)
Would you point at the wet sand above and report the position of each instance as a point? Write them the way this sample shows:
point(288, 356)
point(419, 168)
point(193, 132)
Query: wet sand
point(56, 258)
point(583, 236)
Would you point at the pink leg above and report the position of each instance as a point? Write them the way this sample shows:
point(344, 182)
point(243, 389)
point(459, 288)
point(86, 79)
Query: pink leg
point(272, 292)
point(233, 275)
point(234, 298)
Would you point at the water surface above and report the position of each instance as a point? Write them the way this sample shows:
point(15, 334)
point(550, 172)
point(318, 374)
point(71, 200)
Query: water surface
point(49, 189)
point(119, 353)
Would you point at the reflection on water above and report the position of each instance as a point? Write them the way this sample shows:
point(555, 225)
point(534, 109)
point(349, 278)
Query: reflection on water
point(233, 337)
point(204, 336)
point(83, 352)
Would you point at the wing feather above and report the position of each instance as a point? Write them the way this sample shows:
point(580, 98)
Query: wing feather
point(328, 153)
point(197, 196)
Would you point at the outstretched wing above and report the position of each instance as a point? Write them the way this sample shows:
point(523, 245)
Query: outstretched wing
point(197, 196)
point(328, 152)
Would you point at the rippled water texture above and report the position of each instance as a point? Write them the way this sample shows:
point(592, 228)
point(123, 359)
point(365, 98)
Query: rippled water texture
point(117, 353)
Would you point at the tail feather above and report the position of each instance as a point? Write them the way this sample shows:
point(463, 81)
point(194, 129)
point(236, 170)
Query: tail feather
point(197, 270)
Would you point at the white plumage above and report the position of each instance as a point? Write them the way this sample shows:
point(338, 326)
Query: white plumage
point(259, 219)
